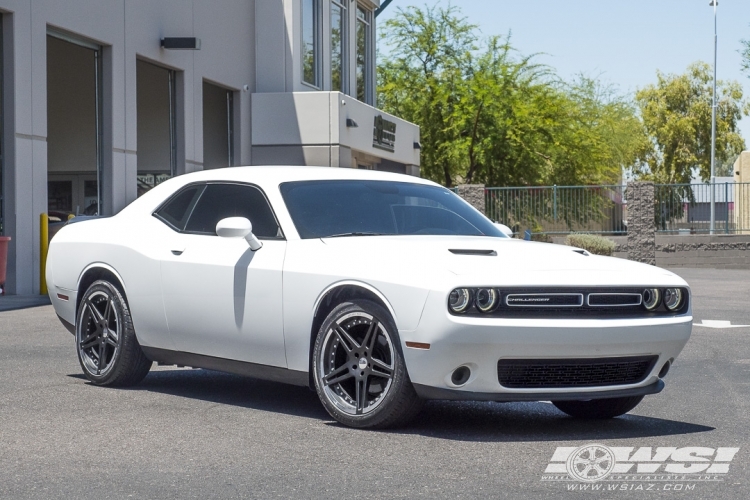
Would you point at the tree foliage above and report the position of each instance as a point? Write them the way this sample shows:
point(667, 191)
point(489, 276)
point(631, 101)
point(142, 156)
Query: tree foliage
point(423, 81)
point(676, 113)
point(488, 114)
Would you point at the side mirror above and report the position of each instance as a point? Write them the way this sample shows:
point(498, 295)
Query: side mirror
point(505, 229)
point(238, 227)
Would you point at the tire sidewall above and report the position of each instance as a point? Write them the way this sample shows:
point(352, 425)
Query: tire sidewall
point(400, 375)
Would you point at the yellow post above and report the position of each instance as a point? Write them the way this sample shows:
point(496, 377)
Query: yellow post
point(44, 246)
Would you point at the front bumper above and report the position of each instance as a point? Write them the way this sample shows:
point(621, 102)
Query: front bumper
point(427, 392)
point(479, 343)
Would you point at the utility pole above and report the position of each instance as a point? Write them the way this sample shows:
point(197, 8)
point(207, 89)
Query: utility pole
point(713, 4)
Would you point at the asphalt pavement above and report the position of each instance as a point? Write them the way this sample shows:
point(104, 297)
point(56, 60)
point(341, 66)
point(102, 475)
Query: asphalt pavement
point(186, 433)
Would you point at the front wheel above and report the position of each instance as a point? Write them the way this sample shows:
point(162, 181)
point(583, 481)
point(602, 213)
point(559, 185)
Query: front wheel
point(108, 350)
point(598, 408)
point(358, 369)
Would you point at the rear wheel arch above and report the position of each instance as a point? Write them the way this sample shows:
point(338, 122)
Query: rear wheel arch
point(98, 272)
point(342, 292)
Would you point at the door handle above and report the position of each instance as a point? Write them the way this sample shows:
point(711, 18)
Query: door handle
point(177, 251)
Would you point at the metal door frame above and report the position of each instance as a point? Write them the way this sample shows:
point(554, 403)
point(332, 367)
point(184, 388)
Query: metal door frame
point(98, 84)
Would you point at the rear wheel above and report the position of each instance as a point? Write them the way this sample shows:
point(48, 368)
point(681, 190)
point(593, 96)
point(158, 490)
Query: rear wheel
point(358, 368)
point(598, 408)
point(108, 350)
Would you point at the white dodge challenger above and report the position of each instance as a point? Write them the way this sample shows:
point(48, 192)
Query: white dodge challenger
point(377, 290)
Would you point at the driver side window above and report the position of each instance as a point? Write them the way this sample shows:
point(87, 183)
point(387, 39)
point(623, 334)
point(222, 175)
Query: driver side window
point(219, 201)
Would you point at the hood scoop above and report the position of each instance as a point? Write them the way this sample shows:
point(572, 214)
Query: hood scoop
point(469, 251)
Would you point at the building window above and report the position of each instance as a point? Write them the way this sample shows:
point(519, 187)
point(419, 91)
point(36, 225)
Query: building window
point(338, 45)
point(363, 60)
point(310, 42)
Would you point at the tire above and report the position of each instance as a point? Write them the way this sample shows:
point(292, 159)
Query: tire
point(359, 370)
point(598, 408)
point(108, 350)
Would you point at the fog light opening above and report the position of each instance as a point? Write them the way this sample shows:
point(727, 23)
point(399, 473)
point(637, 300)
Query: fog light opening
point(460, 375)
point(665, 369)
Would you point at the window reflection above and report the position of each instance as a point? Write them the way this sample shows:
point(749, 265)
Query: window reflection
point(338, 35)
point(309, 41)
point(363, 50)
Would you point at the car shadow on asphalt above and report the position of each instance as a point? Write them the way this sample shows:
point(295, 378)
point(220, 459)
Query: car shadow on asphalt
point(234, 390)
point(538, 421)
point(453, 420)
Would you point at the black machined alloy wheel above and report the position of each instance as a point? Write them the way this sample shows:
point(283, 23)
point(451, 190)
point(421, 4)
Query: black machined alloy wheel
point(359, 372)
point(108, 350)
point(356, 364)
point(99, 339)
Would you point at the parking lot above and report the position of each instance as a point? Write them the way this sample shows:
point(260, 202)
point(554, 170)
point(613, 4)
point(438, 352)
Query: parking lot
point(188, 433)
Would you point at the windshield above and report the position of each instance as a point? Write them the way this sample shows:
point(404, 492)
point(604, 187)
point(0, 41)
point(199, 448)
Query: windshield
point(323, 209)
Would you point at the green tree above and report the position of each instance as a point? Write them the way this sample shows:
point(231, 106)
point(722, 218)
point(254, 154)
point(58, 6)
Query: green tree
point(488, 114)
point(525, 127)
point(676, 113)
point(504, 118)
point(601, 137)
point(745, 52)
point(423, 80)
point(725, 167)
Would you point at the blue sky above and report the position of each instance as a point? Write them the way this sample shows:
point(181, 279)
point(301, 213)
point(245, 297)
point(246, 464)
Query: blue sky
point(623, 42)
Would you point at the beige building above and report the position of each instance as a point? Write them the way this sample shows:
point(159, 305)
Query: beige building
point(742, 193)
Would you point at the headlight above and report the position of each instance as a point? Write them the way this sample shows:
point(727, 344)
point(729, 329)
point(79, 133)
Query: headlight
point(486, 299)
point(651, 298)
point(673, 298)
point(459, 300)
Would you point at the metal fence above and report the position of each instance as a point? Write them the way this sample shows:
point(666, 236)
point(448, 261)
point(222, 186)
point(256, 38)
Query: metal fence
point(679, 208)
point(686, 208)
point(559, 209)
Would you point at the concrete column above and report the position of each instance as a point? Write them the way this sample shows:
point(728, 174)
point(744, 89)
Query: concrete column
point(474, 194)
point(641, 225)
point(25, 137)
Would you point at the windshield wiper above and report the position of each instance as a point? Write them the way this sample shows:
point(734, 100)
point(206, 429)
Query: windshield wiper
point(356, 233)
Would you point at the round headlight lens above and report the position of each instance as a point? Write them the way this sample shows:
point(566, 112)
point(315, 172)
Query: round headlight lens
point(651, 298)
point(672, 298)
point(486, 299)
point(459, 300)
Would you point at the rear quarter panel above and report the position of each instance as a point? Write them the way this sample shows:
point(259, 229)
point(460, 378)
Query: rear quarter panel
point(127, 248)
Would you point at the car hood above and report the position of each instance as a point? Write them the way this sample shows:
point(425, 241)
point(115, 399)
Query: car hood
point(475, 261)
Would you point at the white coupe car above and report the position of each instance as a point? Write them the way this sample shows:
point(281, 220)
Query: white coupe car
point(377, 290)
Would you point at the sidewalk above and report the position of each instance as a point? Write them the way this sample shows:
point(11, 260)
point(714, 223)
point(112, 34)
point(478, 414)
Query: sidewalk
point(12, 302)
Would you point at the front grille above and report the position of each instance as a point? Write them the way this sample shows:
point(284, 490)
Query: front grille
point(544, 300)
point(563, 373)
point(615, 299)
